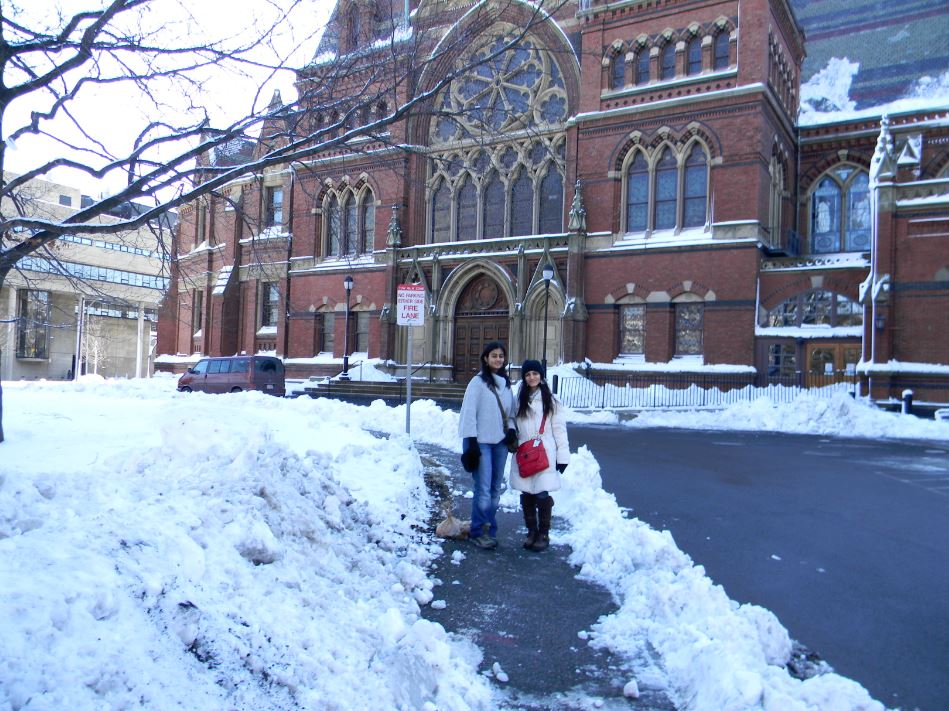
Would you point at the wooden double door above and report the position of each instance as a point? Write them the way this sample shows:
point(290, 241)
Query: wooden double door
point(829, 363)
point(481, 316)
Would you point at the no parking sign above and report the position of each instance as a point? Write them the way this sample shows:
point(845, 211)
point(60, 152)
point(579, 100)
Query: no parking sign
point(410, 305)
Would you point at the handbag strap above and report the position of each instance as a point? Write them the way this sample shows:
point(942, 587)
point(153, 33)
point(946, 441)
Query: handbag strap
point(504, 418)
point(543, 421)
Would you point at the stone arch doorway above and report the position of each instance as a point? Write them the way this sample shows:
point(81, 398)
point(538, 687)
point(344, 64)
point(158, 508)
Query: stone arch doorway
point(481, 316)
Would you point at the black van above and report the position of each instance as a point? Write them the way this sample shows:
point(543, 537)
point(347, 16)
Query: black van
point(234, 374)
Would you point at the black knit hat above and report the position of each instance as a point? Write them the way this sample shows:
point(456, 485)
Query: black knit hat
point(533, 365)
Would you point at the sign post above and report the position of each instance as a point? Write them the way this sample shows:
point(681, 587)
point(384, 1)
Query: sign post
point(410, 310)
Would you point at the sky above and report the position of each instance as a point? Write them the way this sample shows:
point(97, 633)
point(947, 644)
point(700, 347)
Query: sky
point(114, 115)
point(161, 550)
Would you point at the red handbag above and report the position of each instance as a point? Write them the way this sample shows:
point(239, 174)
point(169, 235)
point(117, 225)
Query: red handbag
point(531, 456)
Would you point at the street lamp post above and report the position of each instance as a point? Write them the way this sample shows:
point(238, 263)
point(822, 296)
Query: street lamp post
point(548, 274)
point(348, 285)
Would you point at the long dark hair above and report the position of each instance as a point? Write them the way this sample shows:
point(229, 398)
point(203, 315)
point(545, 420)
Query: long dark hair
point(486, 372)
point(546, 397)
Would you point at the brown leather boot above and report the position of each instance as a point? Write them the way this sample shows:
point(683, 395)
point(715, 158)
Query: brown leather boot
point(545, 508)
point(529, 505)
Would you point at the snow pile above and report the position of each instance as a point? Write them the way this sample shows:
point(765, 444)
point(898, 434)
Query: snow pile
point(715, 655)
point(194, 552)
point(839, 415)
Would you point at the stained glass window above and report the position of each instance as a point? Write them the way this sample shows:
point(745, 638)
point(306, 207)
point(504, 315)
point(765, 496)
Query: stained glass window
point(689, 327)
point(467, 211)
point(551, 202)
point(441, 214)
point(632, 329)
point(368, 222)
point(858, 214)
point(637, 195)
point(667, 177)
point(493, 210)
point(696, 187)
point(351, 229)
point(333, 224)
point(500, 94)
point(522, 205)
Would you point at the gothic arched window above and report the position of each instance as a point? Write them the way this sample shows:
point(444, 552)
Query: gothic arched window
point(493, 210)
point(522, 205)
point(504, 119)
point(441, 213)
point(694, 63)
point(840, 211)
point(467, 211)
point(642, 66)
point(333, 224)
point(721, 59)
point(667, 183)
point(667, 61)
point(696, 188)
point(617, 71)
point(551, 202)
point(351, 226)
point(368, 222)
point(637, 195)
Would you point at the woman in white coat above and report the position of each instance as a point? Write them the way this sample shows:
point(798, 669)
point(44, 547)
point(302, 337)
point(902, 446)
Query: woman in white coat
point(536, 406)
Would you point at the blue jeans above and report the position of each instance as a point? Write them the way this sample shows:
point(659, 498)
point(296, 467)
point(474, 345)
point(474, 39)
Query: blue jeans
point(487, 488)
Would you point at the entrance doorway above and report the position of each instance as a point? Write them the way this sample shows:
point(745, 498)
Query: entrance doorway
point(829, 363)
point(481, 316)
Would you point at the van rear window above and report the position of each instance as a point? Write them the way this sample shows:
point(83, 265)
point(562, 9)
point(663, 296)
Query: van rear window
point(269, 366)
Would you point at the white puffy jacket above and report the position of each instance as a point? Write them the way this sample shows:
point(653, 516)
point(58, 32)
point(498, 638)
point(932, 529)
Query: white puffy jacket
point(555, 442)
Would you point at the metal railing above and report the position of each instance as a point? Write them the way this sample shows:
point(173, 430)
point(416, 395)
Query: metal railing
point(647, 390)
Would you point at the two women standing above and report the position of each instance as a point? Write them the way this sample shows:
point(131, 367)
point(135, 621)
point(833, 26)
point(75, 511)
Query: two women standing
point(489, 412)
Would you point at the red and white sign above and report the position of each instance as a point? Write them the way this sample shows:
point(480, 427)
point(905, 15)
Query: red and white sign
point(410, 305)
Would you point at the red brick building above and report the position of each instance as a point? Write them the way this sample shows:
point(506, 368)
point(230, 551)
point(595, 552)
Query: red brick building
point(647, 154)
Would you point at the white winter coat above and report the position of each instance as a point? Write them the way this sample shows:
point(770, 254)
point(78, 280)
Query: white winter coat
point(480, 415)
point(555, 442)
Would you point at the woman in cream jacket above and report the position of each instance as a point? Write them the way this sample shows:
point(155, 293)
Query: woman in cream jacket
point(535, 399)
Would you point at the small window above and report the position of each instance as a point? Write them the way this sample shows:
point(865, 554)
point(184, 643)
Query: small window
point(642, 66)
point(328, 332)
point(694, 56)
point(618, 72)
point(274, 206)
point(269, 303)
point(65, 200)
point(721, 60)
point(362, 332)
point(782, 360)
point(667, 62)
